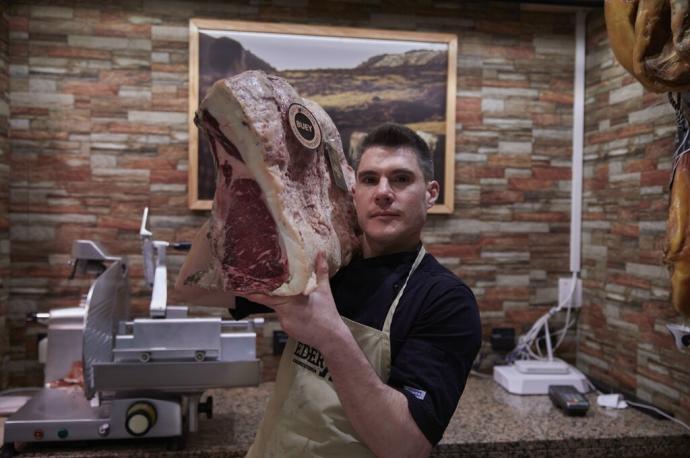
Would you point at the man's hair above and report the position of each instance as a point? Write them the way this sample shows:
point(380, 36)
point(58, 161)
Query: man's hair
point(391, 135)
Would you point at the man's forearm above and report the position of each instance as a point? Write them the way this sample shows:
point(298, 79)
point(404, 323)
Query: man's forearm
point(377, 412)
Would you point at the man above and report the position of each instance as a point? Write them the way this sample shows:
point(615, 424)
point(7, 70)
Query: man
point(378, 356)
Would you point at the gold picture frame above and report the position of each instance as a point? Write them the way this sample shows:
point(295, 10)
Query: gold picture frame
point(365, 76)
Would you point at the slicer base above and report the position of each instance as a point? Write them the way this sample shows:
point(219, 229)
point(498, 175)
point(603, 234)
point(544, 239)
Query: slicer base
point(59, 415)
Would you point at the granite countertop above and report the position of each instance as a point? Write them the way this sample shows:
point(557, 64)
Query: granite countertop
point(489, 422)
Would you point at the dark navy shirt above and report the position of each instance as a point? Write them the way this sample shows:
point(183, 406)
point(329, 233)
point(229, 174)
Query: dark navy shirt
point(435, 333)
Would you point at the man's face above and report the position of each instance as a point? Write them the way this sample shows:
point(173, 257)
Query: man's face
point(391, 199)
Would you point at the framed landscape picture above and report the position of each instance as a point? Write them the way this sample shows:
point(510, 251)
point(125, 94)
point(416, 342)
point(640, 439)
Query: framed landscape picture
point(361, 77)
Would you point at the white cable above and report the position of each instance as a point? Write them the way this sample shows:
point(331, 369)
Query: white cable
point(591, 385)
point(660, 412)
point(565, 326)
point(561, 333)
point(644, 406)
point(526, 341)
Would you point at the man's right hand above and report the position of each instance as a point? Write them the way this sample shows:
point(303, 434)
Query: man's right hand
point(312, 319)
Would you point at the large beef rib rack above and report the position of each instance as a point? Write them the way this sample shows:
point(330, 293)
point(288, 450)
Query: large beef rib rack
point(283, 191)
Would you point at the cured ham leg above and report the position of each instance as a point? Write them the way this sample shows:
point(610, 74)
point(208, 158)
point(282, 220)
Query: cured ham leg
point(677, 251)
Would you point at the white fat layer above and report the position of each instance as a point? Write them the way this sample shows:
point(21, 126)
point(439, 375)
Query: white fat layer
point(330, 135)
point(197, 274)
point(229, 114)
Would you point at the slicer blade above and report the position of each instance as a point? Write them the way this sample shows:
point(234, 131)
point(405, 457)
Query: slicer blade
point(106, 305)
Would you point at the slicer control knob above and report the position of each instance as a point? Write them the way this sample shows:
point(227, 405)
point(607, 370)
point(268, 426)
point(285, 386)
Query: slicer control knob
point(141, 417)
point(206, 407)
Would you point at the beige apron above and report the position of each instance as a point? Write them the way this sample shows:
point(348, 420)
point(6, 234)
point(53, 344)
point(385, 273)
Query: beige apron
point(304, 415)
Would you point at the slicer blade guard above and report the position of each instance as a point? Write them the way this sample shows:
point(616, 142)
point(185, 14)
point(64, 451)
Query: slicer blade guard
point(107, 304)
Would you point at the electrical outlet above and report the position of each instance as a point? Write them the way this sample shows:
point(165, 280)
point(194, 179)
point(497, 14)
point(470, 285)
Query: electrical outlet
point(564, 286)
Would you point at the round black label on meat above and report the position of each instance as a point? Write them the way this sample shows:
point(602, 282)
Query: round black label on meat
point(304, 126)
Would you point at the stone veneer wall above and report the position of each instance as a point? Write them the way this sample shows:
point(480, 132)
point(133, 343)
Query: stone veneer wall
point(630, 136)
point(98, 131)
point(4, 199)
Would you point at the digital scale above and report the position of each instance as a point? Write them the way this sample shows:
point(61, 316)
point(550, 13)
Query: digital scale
point(535, 377)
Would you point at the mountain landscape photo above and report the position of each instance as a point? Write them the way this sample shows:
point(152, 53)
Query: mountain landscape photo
point(408, 88)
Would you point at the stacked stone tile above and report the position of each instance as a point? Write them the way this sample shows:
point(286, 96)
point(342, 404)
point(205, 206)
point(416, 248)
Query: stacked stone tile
point(509, 235)
point(98, 131)
point(630, 137)
point(98, 127)
point(4, 200)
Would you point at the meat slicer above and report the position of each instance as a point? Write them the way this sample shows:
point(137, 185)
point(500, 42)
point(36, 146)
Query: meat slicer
point(142, 378)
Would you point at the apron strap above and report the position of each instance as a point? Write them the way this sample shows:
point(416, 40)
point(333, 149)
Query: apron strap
point(394, 305)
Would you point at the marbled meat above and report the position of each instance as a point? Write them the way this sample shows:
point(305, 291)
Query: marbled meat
point(277, 201)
